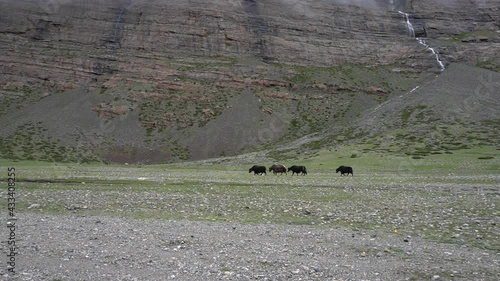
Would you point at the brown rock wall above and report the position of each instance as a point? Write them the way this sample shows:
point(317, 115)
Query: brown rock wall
point(93, 38)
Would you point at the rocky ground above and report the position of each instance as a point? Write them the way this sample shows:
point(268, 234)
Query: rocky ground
point(74, 247)
point(201, 224)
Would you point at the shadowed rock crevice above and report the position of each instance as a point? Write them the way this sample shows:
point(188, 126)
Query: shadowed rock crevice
point(113, 39)
point(258, 25)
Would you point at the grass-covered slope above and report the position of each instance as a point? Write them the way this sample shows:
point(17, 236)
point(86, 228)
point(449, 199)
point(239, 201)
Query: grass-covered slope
point(454, 110)
point(283, 109)
point(214, 108)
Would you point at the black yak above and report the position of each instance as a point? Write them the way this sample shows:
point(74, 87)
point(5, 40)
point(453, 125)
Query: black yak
point(258, 170)
point(297, 170)
point(344, 170)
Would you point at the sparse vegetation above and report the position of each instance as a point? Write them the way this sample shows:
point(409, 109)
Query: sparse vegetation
point(409, 194)
point(30, 142)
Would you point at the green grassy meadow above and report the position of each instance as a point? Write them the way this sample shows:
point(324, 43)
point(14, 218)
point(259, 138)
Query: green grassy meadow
point(452, 198)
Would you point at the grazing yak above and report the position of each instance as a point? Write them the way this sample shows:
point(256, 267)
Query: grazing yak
point(258, 170)
point(345, 170)
point(297, 170)
point(277, 168)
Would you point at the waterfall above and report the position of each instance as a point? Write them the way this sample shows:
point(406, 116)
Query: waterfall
point(409, 25)
point(424, 43)
point(411, 33)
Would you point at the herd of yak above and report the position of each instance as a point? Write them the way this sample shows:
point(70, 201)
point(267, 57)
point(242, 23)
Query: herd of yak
point(278, 168)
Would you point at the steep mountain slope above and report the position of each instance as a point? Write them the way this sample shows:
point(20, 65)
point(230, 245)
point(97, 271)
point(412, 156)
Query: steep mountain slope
point(154, 81)
point(460, 94)
point(458, 109)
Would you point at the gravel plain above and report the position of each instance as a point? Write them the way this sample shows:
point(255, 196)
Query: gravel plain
point(200, 224)
point(74, 247)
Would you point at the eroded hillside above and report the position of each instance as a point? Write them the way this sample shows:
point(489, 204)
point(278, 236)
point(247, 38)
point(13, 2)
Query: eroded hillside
point(154, 81)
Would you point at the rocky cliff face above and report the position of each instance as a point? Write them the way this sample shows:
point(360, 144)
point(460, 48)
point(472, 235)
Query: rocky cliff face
point(71, 43)
point(464, 31)
point(177, 65)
